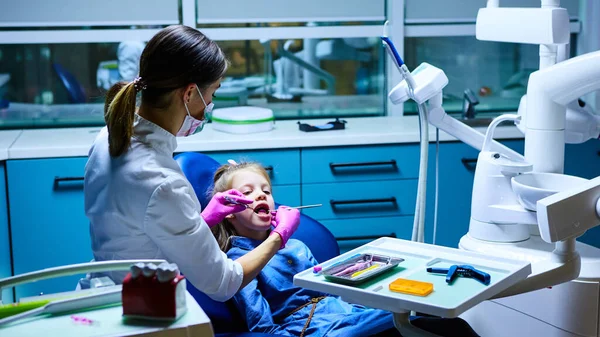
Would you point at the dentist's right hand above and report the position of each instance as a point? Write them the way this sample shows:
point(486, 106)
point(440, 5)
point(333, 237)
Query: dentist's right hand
point(221, 206)
point(286, 222)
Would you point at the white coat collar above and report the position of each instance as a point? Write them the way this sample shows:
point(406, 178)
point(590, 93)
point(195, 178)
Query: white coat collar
point(149, 133)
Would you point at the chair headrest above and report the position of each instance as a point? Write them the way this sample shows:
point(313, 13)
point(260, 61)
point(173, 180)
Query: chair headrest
point(199, 169)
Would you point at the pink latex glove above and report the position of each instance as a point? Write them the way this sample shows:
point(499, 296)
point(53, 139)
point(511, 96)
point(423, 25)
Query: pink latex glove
point(286, 222)
point(219, 207)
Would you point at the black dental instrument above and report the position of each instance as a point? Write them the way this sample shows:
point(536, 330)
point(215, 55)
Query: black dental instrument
point(334, 125)
point(462, 270)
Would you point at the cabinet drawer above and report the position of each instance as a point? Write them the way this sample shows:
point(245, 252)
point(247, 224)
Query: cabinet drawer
point(352, 233)
point(378, 162)
point(360, 199)
point(288, 195)
point(282, 165)
point(48, 222)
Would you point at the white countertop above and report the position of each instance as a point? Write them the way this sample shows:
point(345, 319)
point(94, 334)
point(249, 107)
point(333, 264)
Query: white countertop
point(76, 142)
point(7, 138)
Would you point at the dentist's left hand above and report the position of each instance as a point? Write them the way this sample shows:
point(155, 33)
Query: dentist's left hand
point(219, 207)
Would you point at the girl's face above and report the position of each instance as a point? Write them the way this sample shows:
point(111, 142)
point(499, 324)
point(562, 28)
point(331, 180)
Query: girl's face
point(255, 223)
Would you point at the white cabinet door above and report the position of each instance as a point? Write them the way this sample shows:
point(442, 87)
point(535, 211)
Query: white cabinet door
point(69, 13)
point(245, 11)
point(465, 11)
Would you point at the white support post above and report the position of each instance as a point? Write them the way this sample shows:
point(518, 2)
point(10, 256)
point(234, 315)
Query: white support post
point(395, 17)
point(588, 40)
point(188, 13)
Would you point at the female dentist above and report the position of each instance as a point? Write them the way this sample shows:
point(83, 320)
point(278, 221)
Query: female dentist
point(139, 203)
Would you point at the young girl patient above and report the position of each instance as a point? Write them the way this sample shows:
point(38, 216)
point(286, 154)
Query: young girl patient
point(271, 303)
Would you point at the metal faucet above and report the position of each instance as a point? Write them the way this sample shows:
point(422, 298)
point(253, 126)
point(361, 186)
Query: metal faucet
point(469, 102)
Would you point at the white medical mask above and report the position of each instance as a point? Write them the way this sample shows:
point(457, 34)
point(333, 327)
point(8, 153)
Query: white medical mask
point(192, 125)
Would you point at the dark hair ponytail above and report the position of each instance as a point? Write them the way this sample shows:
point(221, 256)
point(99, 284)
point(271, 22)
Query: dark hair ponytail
point(119, 110)
point(175, 57)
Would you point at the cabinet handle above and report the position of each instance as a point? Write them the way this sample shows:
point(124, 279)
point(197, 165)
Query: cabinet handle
point(469, 163)
point(334, 203)
point(58, 180)
point(371, 163)
point(364, 237)
point(269, 169)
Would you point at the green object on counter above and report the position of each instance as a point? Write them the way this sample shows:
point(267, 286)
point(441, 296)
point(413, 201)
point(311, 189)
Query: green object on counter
point(11, 309)
point(242, 122)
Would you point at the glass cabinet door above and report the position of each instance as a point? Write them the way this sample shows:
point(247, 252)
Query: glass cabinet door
point(492, 75)
point(306, 78)
point(48, 85)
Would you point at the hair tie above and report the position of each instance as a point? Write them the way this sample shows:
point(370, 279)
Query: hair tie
point(232, 162)
point(139, 84)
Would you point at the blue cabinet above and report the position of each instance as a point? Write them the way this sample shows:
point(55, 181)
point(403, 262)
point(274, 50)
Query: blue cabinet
point(48, 222)
point(5, 259)
point(283, 167)
point(351, 233)
point(359, 163)
point(360, 199)
point(288, 195)
point(583, 160)
point(367, 191)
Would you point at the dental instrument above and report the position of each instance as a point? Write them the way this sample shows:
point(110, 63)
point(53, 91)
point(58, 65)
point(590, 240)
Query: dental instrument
point(235, 202)
point(418, 233)
point(306, 206)
point(464, 270)
point(358, 266)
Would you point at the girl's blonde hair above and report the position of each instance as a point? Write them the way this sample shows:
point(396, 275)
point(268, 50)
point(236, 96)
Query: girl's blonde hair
point(222, 182)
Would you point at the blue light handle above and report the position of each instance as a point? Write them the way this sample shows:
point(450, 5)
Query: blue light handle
point(437, 270)
point(451, 272)
point(392, 50)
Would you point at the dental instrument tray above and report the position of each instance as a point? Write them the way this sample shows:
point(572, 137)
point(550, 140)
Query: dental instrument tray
point(360, 268)
point(334, 125)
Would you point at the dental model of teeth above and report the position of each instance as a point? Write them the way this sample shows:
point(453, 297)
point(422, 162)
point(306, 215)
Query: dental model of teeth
point(154, 292)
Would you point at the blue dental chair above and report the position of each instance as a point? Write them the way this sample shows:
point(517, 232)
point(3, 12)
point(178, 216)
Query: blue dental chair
point(199, 170)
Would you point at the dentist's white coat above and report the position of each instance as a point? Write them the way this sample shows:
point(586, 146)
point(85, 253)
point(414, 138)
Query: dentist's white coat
point(141, 206)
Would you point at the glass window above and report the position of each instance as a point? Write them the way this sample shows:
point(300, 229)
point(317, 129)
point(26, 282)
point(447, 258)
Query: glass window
point(309, 78)
point(495, 73)
point(58, 84)
point(50, 85)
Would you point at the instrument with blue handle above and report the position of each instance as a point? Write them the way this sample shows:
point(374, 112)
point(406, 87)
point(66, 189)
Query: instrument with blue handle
point(462, 270)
